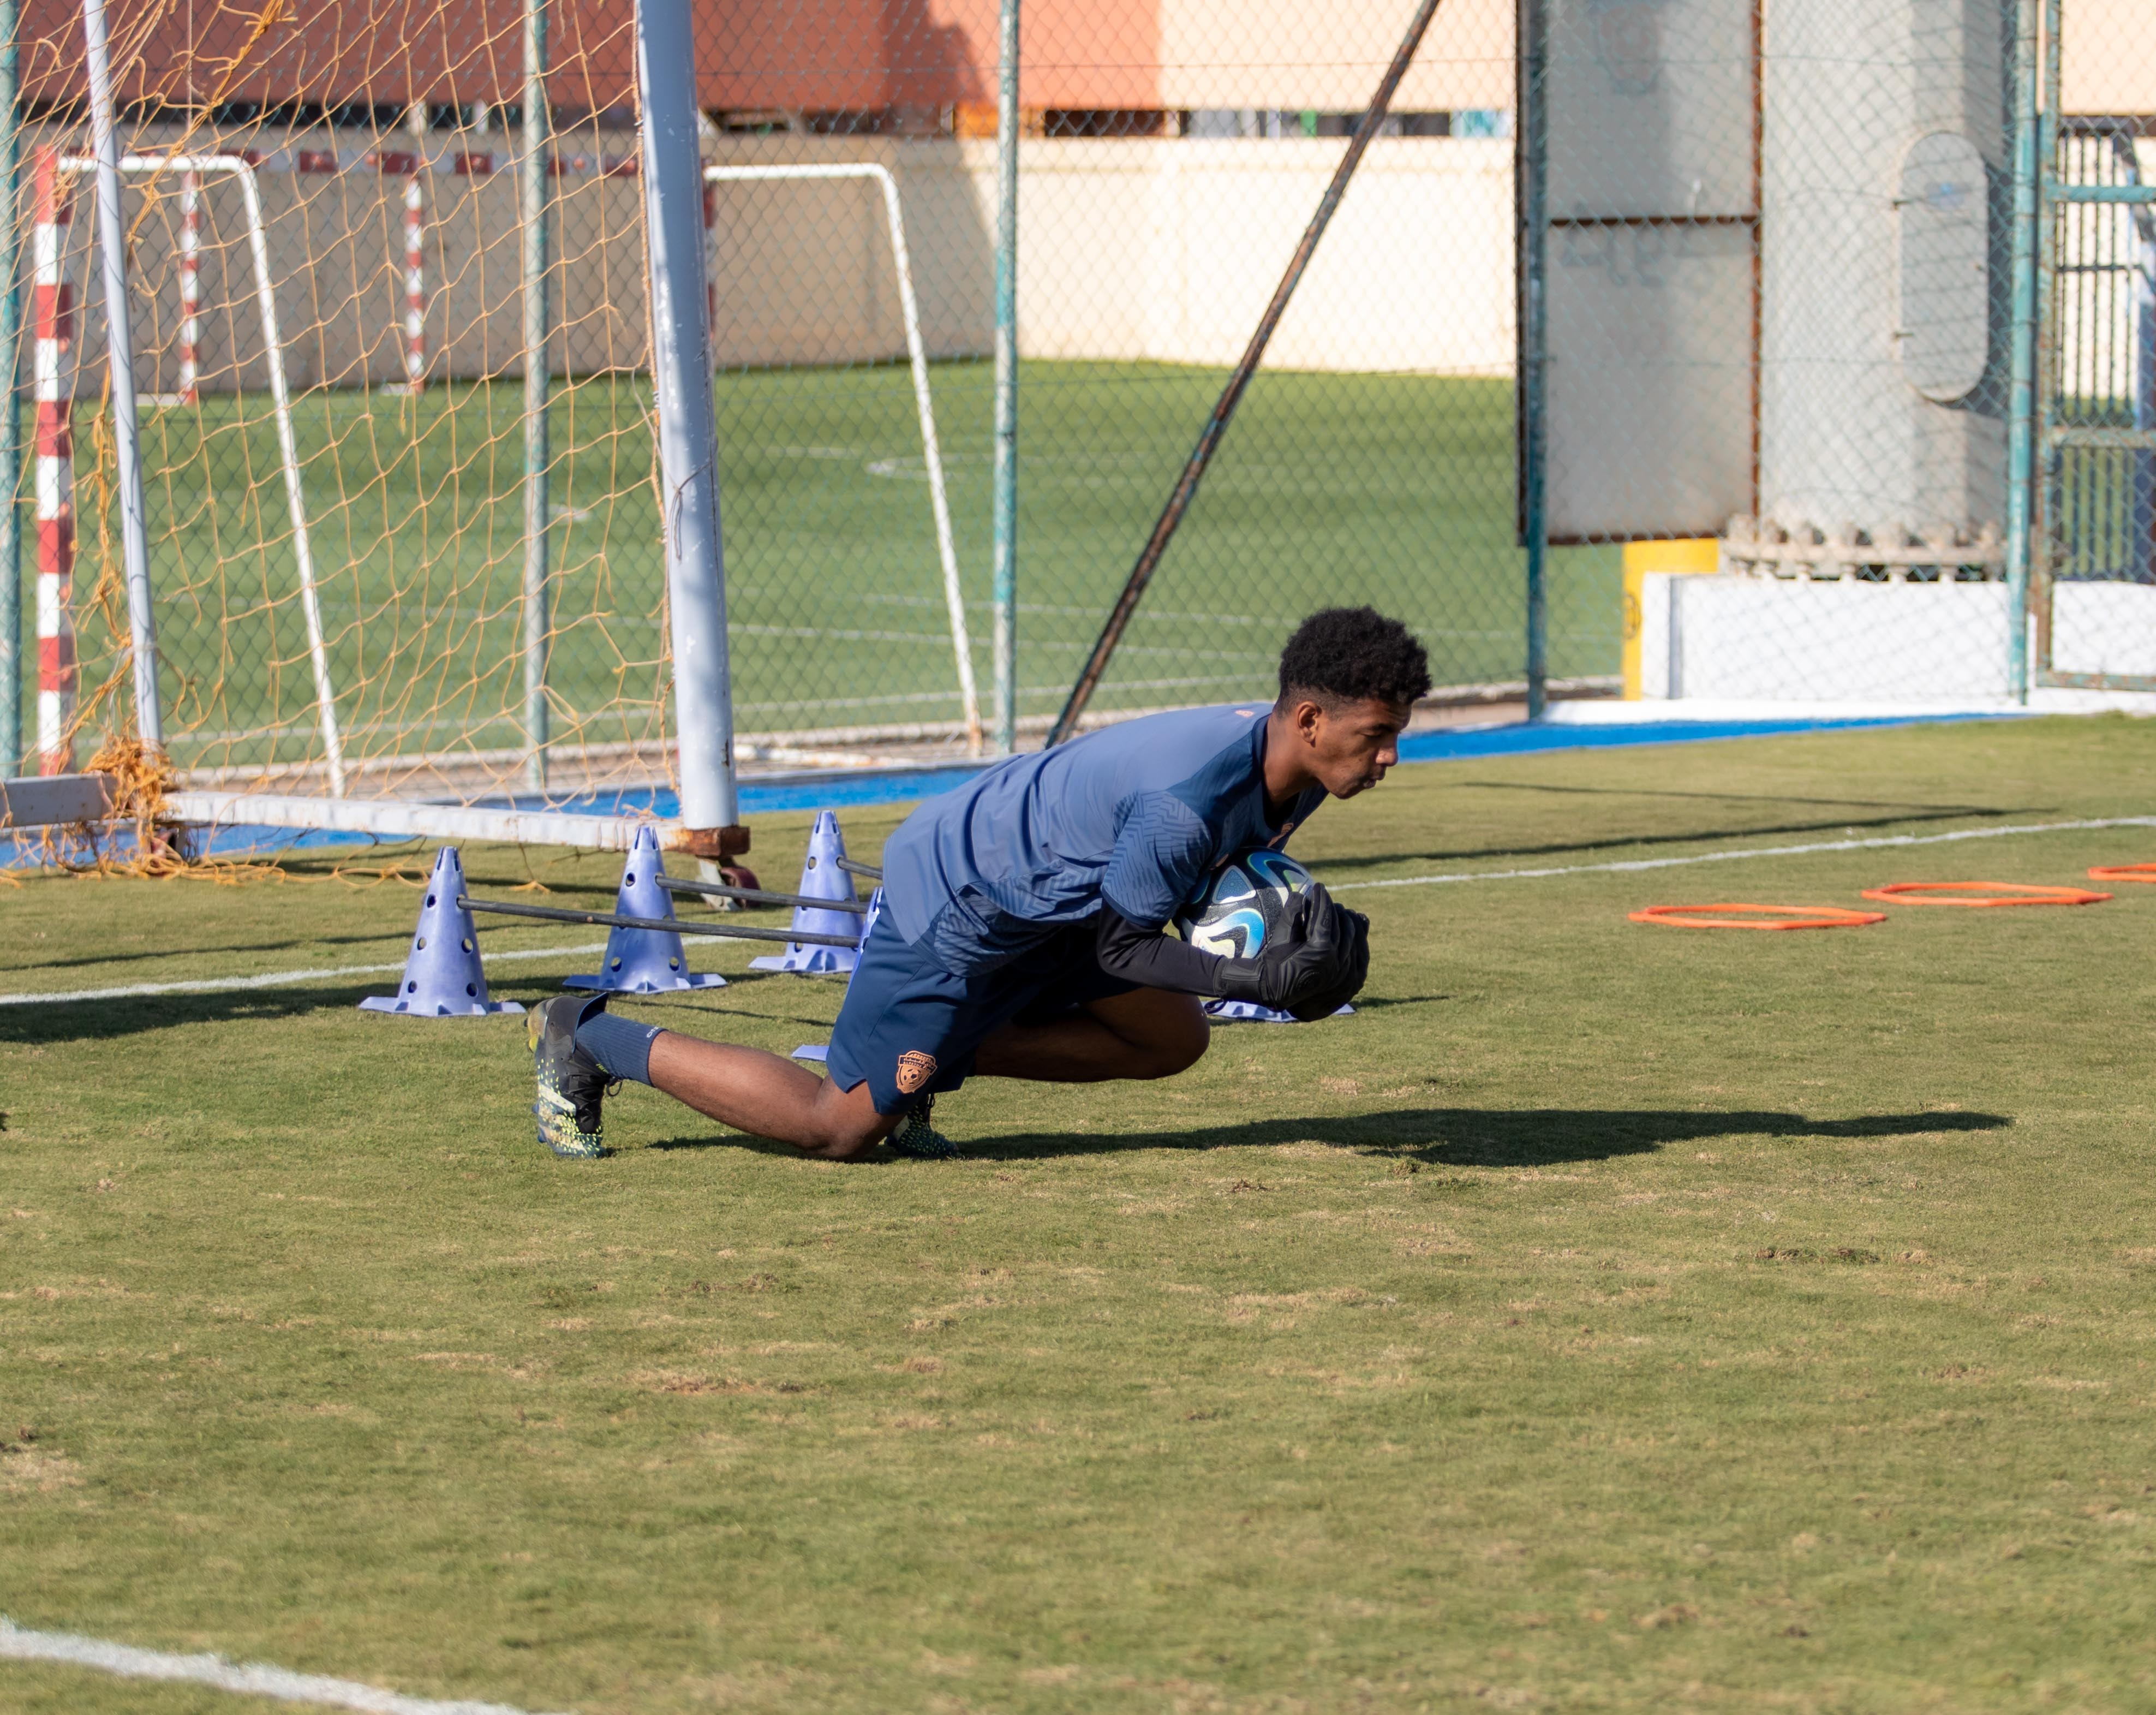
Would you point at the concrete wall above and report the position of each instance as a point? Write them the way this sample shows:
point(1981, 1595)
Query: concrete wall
point(1155, 249)
point(1799, 639)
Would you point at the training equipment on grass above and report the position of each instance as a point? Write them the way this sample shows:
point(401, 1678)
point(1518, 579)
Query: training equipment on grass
point(1249, 1012)
point(1743, 916)
point(644, 960)
point(1242, 902)
point(2123, 872)
point(443, 975)
point(825, 875)
point(1987, 894)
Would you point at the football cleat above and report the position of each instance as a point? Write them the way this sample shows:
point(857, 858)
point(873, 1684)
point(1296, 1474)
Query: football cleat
point(572, 1084)
point(916, 1135)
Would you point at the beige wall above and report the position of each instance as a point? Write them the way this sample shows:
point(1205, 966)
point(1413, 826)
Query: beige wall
point(1155, 249)
point(2108, 56)
point(1320, 53)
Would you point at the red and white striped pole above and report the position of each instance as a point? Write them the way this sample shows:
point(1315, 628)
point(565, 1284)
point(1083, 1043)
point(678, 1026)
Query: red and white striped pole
point(415, 281)
point(190, 284)
point(53, 329)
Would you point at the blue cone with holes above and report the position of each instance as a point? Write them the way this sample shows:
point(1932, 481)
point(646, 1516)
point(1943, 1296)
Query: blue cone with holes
point(643, 961)
point(443, 977)
point(821, 878)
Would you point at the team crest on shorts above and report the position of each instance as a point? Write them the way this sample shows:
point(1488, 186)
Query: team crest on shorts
point(915, 1069)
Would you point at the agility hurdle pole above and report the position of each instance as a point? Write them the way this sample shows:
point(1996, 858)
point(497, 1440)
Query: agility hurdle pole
point(758, 895)
point(608, 920)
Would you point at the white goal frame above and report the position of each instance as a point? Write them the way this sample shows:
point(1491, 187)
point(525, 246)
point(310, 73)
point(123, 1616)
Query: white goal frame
point(295, 502)
point(930, 449)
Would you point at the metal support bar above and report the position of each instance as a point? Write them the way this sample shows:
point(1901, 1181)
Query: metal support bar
point(867, 872)
point(688, 433)
point(2117, 440)
point(2054, 191)
point(2021, 378)
point(1532, 431)
point(1216, 425)
point(1006, 429)
point(608, 920)
point(532, 189)
point(11, 426)
point(757, 895)
point(120, 352)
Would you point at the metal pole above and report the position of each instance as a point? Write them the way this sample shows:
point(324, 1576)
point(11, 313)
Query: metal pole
point(688, 437)
point(538, 362)
point(1534, 338)
point(1224, 410)
point(2021, 381)
point(1006, 467)
point(119, 351)
point(11, 426)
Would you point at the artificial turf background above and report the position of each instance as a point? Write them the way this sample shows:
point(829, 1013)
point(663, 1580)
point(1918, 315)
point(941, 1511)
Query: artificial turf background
point(1605, 1318)
point(1395, 489)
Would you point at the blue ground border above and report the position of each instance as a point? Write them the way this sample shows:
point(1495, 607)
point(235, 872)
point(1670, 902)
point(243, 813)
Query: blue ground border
point(845, 789)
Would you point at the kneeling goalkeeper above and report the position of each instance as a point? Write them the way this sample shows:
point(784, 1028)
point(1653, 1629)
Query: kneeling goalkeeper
point(1021, 933)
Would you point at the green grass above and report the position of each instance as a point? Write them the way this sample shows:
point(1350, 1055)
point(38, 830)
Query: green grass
point(1393, 489)
point(1605, 1318)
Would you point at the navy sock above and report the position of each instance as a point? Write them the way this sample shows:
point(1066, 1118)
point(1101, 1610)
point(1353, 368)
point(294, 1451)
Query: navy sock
point(621, 1049)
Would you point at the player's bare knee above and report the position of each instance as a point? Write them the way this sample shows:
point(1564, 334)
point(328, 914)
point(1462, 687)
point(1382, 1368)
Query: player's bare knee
point(1179, 1048)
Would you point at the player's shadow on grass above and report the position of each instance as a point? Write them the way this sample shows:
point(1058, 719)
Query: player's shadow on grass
point(1490, 1137)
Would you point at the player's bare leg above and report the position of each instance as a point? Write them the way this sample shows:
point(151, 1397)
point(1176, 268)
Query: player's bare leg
point(767, 1096)
point(1147, 1033)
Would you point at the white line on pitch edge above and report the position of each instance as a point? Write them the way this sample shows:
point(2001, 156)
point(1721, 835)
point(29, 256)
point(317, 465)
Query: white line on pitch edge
point(251, 1679)
point(271, 979)
point(1754, 851)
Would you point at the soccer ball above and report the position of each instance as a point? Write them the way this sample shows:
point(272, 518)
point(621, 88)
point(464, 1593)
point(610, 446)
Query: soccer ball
point(1241, 902)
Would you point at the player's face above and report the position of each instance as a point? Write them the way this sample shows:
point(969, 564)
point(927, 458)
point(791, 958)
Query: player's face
point(1352, 745)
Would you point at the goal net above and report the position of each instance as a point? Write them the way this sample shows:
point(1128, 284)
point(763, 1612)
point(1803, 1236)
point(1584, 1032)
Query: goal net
point(328, 308)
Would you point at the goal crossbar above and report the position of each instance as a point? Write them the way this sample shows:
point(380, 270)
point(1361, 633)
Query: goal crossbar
point(924, 405)
point(143, 166)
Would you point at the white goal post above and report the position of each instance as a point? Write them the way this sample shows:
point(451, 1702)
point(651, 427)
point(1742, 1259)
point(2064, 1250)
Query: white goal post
point(265, 298)
point(932, 451)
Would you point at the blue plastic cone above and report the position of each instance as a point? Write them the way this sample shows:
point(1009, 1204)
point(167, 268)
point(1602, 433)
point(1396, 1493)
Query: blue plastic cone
point(442, 977)
point(821, 878)
point(644, 961)
point(818, 1050)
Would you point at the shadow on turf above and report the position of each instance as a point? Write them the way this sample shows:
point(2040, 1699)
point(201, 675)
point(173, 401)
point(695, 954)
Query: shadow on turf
point(1492, 1136)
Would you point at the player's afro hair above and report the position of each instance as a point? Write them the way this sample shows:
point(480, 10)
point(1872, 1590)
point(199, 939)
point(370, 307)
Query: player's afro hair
point(1347, 653)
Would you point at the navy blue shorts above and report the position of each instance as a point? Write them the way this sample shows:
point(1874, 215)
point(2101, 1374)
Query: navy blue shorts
point(909, 1028)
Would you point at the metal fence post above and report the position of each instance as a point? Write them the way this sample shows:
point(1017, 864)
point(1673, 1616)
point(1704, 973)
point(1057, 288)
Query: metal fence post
point(1532, 431)
point(120, 350)
point(688, 433)
point(1006, 470)
point(11, 426)
point(2021, 382)
point(533, 188)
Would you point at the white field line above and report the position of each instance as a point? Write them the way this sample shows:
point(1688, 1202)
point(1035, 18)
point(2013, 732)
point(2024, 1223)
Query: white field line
point(253, 1679)
point(1882, 841)
point(272, 979)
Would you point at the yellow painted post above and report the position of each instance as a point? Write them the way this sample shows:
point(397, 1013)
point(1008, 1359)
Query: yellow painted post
point(1684, 557)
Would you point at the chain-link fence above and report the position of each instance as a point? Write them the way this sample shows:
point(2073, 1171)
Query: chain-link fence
point(1611, 271)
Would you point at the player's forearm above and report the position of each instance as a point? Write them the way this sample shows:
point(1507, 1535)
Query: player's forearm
point(1152, 960)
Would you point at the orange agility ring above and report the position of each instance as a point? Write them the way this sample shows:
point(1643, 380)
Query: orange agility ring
point(1992, 893)
point(2123, 872)
point(1785, 917)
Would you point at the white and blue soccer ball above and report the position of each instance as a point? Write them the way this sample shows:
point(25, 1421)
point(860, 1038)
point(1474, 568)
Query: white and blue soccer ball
point(1242, 902)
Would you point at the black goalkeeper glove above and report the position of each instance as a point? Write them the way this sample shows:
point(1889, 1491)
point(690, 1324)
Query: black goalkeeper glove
point(1313, 967)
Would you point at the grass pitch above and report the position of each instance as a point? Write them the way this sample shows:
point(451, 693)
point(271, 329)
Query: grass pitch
point(1395, 489)
point(1606, 1318)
